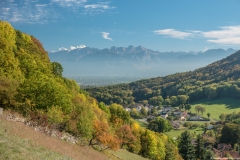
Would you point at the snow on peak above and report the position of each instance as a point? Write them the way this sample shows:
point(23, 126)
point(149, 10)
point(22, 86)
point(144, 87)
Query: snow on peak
point(72, 48)
point(62, 49)
point(77, 47)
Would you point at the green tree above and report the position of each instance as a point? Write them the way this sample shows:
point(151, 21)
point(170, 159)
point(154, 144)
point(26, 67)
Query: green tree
point(222, 116)
point(103, 107)
point(174, 100)
point(159, 125)
point(143, 111)
point(44, 91)
point(152, 145)
point(188, 107)
point(209, 155)
point(208, 114)
point(170, 154)
point(200, 150)
point(167, 101)
point(182, 99)
point(198, 109)
point(8, 90)
point(157, 100)
point(186, 148)
point(135, 113)
point(119, 115)
point(202, 109)
point(57, 69)
point(230, 133)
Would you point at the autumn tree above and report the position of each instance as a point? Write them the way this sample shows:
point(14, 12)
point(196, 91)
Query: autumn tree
point(125, 136)
point(119, 115)
point(103, 135)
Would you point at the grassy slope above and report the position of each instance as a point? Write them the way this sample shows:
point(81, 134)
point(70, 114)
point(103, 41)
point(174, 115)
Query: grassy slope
point(20, 142)
point(218, 106)
point(125, 155)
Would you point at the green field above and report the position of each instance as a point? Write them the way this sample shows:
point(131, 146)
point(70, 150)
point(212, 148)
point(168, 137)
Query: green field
point(142, 124)
point(175, 133)
point(218, 106)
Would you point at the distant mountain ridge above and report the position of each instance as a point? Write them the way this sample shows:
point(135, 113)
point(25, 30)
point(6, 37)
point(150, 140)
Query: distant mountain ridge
point(132, 61)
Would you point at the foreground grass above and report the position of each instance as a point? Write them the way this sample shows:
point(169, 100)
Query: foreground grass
point(13, 147)
point(218, 106)
point(125, 155)
point(19, 142)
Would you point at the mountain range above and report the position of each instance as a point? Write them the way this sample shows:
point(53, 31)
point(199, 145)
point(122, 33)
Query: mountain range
point(132, 61)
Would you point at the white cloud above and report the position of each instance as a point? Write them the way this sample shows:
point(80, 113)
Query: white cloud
point(69, 3)
point(95, 6)
point(105, 36)
point(174, 33)
point(26, 11)
point(35, 11)
point(229, 35)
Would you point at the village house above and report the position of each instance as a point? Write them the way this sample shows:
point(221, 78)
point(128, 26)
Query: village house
point(195, 118)
point(177, 112)
point(164, 115)
point(167, 109)
point(175, 124)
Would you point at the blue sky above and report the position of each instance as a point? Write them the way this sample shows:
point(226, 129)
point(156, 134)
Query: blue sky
point(163, 25)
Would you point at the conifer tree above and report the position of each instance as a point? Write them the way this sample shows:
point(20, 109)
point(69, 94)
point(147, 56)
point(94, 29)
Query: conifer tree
point(186, 148)
point(200, 150)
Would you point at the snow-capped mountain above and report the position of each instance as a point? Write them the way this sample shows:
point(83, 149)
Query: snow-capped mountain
point(82, 60)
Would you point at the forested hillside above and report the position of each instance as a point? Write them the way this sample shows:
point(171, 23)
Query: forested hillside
point(219, 79)
point(33, 86)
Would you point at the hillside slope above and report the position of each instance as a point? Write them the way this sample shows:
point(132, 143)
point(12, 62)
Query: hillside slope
point(17, 141)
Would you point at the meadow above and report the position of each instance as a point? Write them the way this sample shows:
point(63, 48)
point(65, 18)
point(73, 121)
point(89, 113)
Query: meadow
point(217, 107)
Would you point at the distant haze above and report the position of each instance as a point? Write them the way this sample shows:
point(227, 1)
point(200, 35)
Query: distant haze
point(132, 61)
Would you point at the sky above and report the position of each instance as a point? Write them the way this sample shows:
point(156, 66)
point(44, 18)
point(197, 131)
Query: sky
point(161, 25)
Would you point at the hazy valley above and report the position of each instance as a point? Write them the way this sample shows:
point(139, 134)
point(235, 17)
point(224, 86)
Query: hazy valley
point(91, 66)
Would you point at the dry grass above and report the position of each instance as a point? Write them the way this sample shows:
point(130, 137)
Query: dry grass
point(15, 136)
